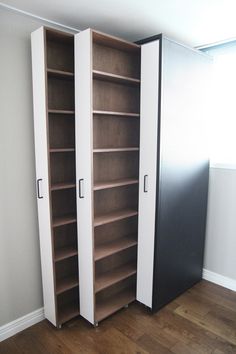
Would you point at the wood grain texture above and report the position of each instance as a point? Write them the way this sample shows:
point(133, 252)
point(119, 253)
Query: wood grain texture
point(134, 330)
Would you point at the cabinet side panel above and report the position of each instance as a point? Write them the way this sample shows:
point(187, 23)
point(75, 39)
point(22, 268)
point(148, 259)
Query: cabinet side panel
point(83, 114)
point(147, 171)
point(41, 157)
point(183, 180)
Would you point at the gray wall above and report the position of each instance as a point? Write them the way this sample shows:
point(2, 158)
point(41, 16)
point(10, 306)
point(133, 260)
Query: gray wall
point(220, 252)
point(20, 275)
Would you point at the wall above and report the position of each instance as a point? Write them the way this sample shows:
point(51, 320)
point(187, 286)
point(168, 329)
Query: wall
point(20, 275)
point(220, 252)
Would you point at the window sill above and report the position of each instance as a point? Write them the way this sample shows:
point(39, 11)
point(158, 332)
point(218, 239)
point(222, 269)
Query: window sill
point(225, 166)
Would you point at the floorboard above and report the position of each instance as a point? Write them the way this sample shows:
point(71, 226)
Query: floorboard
point(200, 321)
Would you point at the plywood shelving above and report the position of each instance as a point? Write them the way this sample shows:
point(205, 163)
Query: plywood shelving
point(61, 147)
point(109, 110)
point(116, 80)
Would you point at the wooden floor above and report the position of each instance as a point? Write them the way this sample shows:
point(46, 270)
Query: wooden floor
point(203, 320)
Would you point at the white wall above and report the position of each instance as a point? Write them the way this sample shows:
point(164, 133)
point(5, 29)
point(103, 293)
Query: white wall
point(220, 252)
point(20, 274)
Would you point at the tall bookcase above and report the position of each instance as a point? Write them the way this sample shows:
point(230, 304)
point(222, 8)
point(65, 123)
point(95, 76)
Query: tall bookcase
point(107, 89)
point(54, 127)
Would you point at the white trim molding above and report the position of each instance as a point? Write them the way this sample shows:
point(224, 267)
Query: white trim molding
point(30, 14)
point(21, 323)
point(219, 279)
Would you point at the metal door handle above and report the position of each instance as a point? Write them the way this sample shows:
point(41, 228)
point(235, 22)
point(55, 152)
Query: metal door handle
point(145, 183)
point(38, 188)
point(81, 196)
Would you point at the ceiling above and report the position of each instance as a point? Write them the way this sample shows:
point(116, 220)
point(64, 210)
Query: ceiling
point(194, 22)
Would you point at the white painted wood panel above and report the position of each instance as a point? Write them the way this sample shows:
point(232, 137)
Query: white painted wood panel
point(147, 170)
point(84, 131)
point(41, 158)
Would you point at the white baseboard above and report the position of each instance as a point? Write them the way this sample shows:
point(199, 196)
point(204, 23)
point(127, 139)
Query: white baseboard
point(219, 279)
point(21, 323)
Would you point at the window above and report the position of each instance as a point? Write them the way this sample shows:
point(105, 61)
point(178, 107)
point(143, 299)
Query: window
point(223, 124)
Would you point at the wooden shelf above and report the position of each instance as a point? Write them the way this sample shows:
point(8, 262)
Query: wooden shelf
point(124, 149)
point(64, 220)
point(60, 111)
point(60, 74)
point(65, 252)
point(115, 42)
point(114, 216)
point(120, 114)
point(109, 248)
point(114, 276)
point(105, 76)
point(68, 312)
point(113, 184)
point(67, 284)
point(62, 150)
point(59, 186)
point(108, 306)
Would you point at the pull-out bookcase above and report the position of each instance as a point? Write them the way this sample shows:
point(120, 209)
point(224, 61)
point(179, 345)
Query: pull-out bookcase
point(107, 89)
point(54, 126)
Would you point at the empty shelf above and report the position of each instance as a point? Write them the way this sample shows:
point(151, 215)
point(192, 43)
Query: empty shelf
point(114, 276)
point(65, 252)
point(62, 150)
point(109, 248)
point(66, 284)
point(105, 76)
point(114, 216)
point(121, 114)
point(110, 305)
point(60, 73)
point(116, 149)
point(64, 220)
point(116, 183)
point(68, 312)
point(60, 111)
point(65, 185)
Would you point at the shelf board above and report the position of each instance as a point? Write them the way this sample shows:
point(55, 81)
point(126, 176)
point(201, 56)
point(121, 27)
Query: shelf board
point(105, 76)
point(65, 252)
point(60, 74)
point(64, 220)
point(68, 312)
point(60, 111)
point(113, 184)
point(111, 305)
point(62, 150)
point(124, 149)
point(121, 114)
point(114, 276)
point(114, 216)
point(65, 185)
point(109, 248)
point(67, 284)
point(114, 42)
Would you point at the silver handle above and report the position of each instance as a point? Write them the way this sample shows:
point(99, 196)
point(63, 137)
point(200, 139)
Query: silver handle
point(145, 183)
point(81, 189)
point(38, 188)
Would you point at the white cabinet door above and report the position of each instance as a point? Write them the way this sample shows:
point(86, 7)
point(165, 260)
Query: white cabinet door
point(148, 166)
point(84, 131)
point(41, 157)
